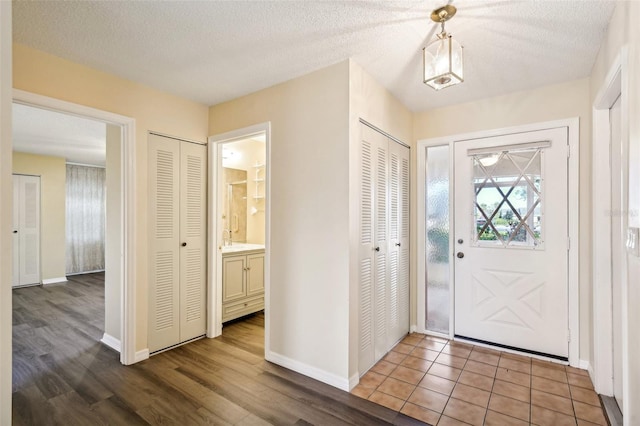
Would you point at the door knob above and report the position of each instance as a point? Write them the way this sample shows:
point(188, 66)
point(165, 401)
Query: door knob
point(184, 244)
point(460, 255)
point(377, 249)
point(15, 232)
point(398, 244)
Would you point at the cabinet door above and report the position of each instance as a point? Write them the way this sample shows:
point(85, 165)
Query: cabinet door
point(164, 242)
point(233, 278)
point(193, 243)
point(255, 274)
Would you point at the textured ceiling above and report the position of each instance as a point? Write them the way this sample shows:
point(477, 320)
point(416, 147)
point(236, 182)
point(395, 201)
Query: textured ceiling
point(39, 131)
point(212, 51)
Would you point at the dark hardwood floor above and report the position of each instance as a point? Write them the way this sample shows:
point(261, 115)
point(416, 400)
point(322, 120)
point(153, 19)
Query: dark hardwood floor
point(63, 375)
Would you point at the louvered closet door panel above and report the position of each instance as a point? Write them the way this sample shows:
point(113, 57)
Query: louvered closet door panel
point(164, 242)
point(193, 231)
point(16, 229)
point(366, 252)
point(29, 231)
point(399, 242)
point(381, 238)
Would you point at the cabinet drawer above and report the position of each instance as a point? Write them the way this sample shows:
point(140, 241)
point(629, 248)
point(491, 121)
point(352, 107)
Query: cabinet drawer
point(243, 307)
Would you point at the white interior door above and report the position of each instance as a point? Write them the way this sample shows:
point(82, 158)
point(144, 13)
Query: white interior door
point(26, 236)
point(618, 252)
point(511, 241)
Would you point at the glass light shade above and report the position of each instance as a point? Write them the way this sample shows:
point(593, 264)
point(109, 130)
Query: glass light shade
point(443, 63)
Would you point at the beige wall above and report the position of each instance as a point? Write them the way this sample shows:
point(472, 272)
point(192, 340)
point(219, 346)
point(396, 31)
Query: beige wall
point(53, 239)
point(113, 240)
point(370, 101)
point(625, 31)
point(309, 250)
point(566, 100)
point(48, 75)
point(6, 189)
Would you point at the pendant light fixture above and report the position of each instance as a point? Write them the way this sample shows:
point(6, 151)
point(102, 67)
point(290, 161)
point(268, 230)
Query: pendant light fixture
point(442, 58)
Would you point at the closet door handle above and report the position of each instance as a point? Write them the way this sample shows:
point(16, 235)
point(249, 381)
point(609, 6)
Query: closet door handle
point(15, 232)
point(398, 244)
point(184, 244)
point(377, 249)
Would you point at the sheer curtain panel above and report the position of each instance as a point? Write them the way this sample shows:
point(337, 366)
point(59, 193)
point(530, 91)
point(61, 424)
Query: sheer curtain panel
point(86, 198)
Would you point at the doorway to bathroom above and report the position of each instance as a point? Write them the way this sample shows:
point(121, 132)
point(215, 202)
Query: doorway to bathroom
point(239, 185)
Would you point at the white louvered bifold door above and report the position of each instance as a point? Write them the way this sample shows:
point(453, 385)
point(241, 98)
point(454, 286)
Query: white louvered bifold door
point(398, 241)
point(383, 252)
point(26, 220)
point(193, 249)
point(164, 242)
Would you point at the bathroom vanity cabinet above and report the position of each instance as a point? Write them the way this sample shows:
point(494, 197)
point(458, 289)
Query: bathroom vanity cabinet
point(242, 283)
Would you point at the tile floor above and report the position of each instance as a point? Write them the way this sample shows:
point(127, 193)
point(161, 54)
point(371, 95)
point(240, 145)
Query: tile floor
point(443, 382)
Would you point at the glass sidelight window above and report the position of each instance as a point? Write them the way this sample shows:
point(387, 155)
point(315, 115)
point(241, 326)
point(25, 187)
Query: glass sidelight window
point(437, 239)
point(508, 197)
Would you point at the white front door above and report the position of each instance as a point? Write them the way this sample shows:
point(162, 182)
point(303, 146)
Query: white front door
point(511, 241)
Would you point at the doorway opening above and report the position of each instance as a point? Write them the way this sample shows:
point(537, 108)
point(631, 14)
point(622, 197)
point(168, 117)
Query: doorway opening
point(239, 194)
point(118, 327)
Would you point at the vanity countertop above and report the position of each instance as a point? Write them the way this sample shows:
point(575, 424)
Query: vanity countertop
point(237, 248)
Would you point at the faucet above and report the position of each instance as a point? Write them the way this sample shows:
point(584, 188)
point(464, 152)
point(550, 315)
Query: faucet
point(226, 237)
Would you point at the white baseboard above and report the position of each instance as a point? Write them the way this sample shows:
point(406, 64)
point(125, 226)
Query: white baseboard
point(413, 329)
point(586, 365)
point(310, 371)
point(111, 341)
point(141, 355)
point(54, 280)
point(353, 381)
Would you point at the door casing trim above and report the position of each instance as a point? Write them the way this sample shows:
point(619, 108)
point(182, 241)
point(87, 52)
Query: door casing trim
point(573, 127)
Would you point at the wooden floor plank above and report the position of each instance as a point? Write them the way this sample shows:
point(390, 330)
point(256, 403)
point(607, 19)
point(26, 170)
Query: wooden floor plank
point(64, 375)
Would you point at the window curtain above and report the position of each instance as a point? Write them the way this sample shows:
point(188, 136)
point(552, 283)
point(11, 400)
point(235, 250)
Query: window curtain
point(86, 215)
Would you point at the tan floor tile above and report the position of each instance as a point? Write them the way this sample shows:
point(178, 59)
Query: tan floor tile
point(549, 373)
point(416, 363)
point(461, 344)
point(476, 380)
point(485, 357)
point(488, 351)
point(420, 413)
point(470, 394)
point(428, 399)
point(451, 361)
point(585, 423)
point(362, 391)
point(403, 348)
point(397, 388)
point(480, 368)
point(394, 357)
point(496, 419)
point(521, 379)
point(423, 353)
point(386, 400)
point(584, 395)
point(465, 412)
point(578, 371)
point(408, 375)
point(430, 344)
point(448, 421)
point(521, 393)
point(437, 384)
point(413, 339)
point(436, 339)
point(457, 351)
point(547, 364)
point(551, 386)
point(445, 371)
point(517, 357)
point(552, 402)
point(544, 417)
point(581, 381)
point(589, 413)
point(383, 367)
point(510, 407)
point(512, 364)
point(372, 379)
